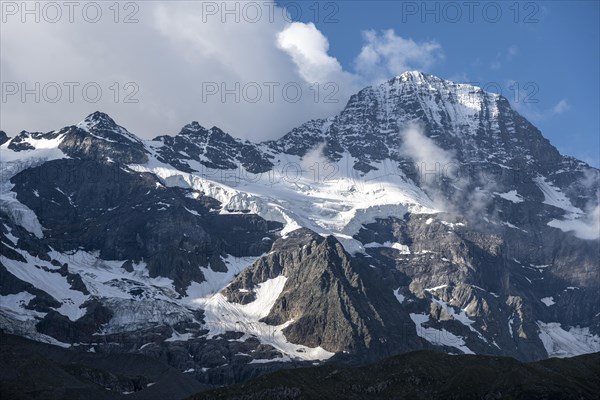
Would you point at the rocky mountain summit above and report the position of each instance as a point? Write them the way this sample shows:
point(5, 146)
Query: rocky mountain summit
point(428, 214)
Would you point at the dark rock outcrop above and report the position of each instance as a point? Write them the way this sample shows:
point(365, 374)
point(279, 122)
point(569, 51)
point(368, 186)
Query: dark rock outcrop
point(333, 299)
point(211, 149)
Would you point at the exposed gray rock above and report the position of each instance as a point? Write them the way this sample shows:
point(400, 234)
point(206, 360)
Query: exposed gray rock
point(131, 216)
point(334, 300)
point(212, 148)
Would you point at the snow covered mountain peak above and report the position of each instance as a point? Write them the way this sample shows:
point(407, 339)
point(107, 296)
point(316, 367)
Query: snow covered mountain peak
point(439, 94)
point(98, 119)
point(415, 76)
point(432, 82)
point(192, 128)
point(102, 126)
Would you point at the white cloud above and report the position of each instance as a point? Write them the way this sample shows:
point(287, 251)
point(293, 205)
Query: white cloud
point(587, 228)
point(315, 156)
point(561, 107)
point(308, 48)
point(423, 150)
point(524, 99)
point(591, 226)
point(173, 53)
point(386, 55)
point(431, 161)
point(435, 164)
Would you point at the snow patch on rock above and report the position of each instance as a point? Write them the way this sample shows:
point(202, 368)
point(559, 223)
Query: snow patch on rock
point(559, 342)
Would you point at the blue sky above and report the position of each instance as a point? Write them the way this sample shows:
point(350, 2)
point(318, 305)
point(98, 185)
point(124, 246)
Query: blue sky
point(174, 49)
point(551, 52)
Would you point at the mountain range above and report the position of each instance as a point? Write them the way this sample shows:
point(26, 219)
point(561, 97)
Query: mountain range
point(427, 214)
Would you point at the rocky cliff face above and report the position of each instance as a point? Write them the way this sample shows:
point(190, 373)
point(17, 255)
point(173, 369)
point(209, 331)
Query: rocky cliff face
point(478, 126)
point(332, 298)
point(211, 149)
point(427, 214)
point(133, 217)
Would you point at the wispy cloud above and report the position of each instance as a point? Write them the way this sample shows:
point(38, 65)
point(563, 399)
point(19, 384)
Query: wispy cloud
point(437, 168)
point(504, 57)
point(524, 99)
point(386, 54)
point(496, 64)
point(561, 107)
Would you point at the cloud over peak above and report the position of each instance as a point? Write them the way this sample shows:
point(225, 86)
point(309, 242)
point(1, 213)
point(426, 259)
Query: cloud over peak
point(181, 62)
point(386, 54)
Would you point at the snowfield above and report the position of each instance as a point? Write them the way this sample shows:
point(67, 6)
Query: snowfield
point(222, 316)
point(13, 162)
point(124, 293)
point(438, 337)
point(562, 343)
point(330, 199)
